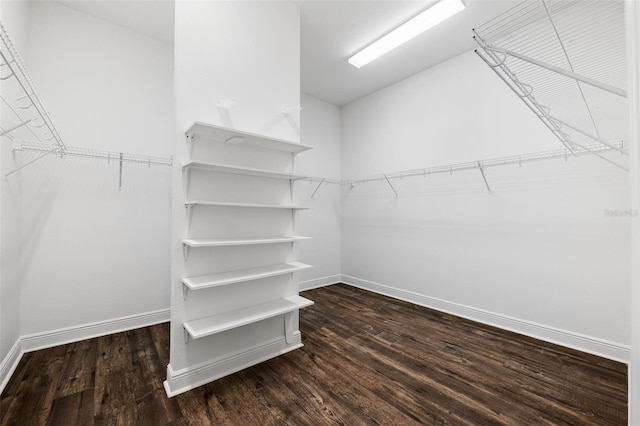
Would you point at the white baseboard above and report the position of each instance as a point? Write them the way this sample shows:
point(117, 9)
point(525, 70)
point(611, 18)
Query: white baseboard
point(36, 341)
point(189, 378)
point(595, 346)
point(9, 363)
point(33, 342)
point(319, 282)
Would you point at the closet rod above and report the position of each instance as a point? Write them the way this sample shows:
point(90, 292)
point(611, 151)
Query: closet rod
point(493, 162)
point(92, 153)
point(579, 151)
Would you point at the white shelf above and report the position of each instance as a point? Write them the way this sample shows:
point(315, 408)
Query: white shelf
point(219, 242)
point(237, 318)
point(244, 275)
point(246, 171)
point(248, 205)
point(233, 136)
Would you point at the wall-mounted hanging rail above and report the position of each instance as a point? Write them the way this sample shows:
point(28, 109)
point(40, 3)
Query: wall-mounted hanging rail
point(322, 181)
point(94, 153)
point(109, 156)
point(566, 61)
point(482, 165)
point(28, 123)
point(28, 115)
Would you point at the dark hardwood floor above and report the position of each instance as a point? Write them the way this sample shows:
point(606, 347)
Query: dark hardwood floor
point(367, 359)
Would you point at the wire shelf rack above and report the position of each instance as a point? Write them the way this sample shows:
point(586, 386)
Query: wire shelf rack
point(480, 165)
point(566, 60)
point(93, 153)
point(27, 122)
point(25, 113)
point(117, 157)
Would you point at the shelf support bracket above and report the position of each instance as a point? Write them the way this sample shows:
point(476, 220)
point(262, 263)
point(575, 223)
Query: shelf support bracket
point(189, 138)
point(318, 187)
point(186, 336)
point(391, 185)
point(185, 291)
point(288, 327)
point(189, 208)
point(484, 177)
point(185, 251)
point(120, 174)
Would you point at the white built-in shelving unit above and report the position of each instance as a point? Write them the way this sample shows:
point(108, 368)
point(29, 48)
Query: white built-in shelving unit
point(235, 137)
point(208, 326)
point(236, 183)
point(233, 277)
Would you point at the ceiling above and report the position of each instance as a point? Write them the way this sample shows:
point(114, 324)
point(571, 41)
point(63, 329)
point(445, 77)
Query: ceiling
point(331, 31)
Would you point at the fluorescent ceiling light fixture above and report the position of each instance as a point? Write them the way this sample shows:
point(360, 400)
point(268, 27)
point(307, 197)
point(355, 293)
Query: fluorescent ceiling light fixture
point(420, 23)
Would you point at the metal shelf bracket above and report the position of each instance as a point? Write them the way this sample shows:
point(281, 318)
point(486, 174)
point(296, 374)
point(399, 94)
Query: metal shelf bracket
point(484, 177)
point(391, 185)
point(317, 187)
point(185, 291)
point(185, 252)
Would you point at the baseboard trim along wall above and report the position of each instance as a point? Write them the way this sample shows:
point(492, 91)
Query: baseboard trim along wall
point(33, 342)
point(190, 378)
point(10, 363)
point(320, 282)
point(37, 341)
point(599, 347)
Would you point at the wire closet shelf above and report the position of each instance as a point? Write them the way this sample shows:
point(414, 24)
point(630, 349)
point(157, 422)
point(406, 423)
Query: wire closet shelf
point(566, 60)
point(480, 165)
point(28, 124)
point(28, 115)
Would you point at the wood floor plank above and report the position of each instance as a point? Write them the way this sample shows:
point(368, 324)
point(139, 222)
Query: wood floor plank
point(367, 360)
point(78, 368)
point(72, 409)
point(238, 401)
point(315, 400)
point(200, 407)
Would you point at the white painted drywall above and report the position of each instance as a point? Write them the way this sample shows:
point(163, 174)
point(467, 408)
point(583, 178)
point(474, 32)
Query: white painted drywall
point(320, 124)
point(14, 19)
point(632, 23)
point(541, 252)
point(248, 53)
point(91, 252)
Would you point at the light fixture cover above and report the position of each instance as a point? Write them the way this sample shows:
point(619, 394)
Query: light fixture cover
point(420, 23)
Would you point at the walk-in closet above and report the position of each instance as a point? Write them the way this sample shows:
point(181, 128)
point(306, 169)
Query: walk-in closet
point(319, 212)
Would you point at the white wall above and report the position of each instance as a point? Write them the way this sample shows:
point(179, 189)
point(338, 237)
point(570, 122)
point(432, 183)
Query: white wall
point(247, 52)
point(14, 19)
point(539, 255)
point(320, 124)
point(632, 24)
point(91, 252)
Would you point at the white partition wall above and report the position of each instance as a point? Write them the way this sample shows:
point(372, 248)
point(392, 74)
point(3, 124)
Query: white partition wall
point(320, 125)
point(633, 68)
point(237, 68)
